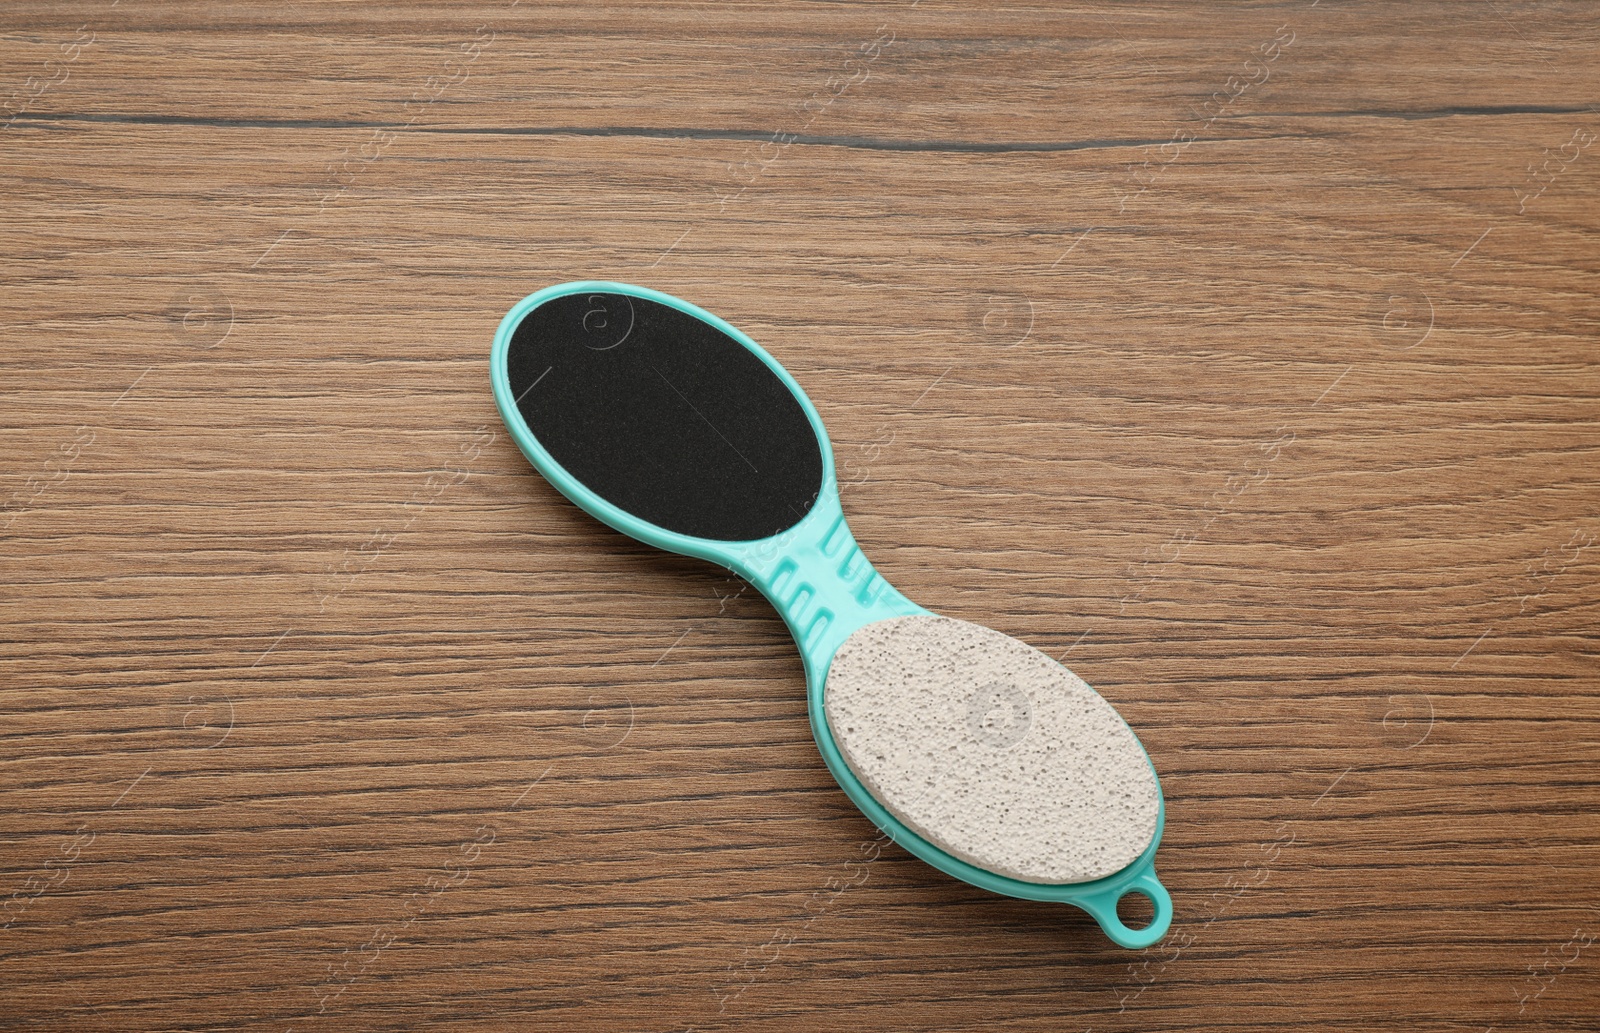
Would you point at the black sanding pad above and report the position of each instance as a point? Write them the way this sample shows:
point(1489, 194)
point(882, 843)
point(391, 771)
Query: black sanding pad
point(664, 416)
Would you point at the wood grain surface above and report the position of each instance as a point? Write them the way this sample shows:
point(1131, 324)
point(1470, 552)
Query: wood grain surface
point(1243, 356)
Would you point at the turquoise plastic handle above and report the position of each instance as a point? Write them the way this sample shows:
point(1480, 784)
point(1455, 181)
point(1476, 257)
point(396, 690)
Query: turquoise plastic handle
point(816, 577)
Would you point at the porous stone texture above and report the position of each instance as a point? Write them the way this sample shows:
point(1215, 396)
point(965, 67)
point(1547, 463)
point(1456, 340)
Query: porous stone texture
point(991, 750)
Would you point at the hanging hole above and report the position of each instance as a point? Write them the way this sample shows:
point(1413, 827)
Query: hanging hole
point(1136, 910)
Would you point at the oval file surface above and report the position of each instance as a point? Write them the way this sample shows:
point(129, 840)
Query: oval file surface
point(991, 750)
point(664, 416)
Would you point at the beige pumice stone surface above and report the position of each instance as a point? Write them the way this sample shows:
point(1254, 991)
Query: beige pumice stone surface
point(991, 750)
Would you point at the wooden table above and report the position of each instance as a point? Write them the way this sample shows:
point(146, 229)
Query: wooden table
point(1245, 357)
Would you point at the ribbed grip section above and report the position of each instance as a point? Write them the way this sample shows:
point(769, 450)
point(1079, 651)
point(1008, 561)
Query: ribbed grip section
point(820, 583)
point(854, 569)
point(795, 598)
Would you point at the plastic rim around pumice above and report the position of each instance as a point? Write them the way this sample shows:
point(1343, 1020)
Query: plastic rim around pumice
point(1012, 722)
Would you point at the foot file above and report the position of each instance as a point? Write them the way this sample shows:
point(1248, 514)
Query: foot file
point(974, 751)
